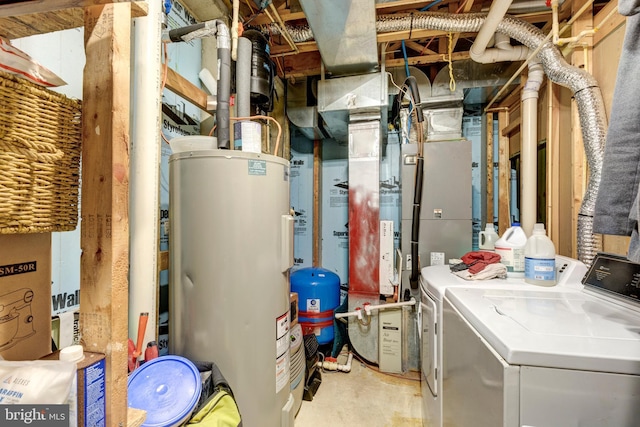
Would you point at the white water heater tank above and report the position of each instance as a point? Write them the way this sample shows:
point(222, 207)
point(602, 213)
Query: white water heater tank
point(230, 246)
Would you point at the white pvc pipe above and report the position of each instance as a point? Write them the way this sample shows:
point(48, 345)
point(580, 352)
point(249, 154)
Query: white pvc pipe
point(335, 366)
point(503, 51)
point(529, 149)
point(496, 13)
point(370, 308)
point(145, 172)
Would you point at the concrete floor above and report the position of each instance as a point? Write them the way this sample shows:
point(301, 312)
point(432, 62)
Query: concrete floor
point(363, 397)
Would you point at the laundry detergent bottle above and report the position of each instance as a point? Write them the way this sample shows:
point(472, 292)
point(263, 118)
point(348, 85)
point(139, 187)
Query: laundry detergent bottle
point(488, 238)
point(510, 247)
point(540, 258)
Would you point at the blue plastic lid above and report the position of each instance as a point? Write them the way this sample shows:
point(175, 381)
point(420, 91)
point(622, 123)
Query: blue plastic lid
point(168, 388)
point(515, 224)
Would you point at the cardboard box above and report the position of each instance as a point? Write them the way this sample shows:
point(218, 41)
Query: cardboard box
point(25, 296)
point(91, 407)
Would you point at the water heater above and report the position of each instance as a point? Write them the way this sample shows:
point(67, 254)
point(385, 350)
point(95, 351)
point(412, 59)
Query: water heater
point(230, 248)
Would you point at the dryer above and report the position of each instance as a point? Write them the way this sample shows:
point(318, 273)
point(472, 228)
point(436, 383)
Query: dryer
point(525, 357)
point(433, 283)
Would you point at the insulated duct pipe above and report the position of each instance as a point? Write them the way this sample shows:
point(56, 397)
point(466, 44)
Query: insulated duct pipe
point(530, 146)
point(583, 85)
point(219, 29)
point(243, 78)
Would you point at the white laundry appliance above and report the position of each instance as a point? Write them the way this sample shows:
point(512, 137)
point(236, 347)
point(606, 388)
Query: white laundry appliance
point(433, 283)
point(557, 358)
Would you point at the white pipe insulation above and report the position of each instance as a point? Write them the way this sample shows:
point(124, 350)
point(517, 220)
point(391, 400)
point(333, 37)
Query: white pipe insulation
point(529, 146)
point(234, 29)
point(145, 171)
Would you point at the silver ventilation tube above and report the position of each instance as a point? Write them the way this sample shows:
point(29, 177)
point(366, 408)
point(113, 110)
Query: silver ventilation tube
point(584, 87)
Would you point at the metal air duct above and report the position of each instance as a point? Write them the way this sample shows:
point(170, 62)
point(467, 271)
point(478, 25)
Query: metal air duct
point(345, 32)
point(584, 86)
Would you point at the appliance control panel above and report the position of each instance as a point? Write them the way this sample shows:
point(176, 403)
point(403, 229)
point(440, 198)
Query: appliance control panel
point(616, 274)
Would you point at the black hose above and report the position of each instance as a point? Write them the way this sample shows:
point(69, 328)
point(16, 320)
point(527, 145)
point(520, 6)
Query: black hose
point(417, 190)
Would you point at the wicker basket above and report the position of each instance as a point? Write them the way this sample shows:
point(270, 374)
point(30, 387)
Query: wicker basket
point(40, 145)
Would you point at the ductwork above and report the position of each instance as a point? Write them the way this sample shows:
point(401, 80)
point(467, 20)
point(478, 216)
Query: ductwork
point(584, 87)
point(345, 33)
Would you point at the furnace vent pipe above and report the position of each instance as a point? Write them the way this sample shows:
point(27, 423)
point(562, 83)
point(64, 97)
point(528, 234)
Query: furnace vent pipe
point(503, 50)
point(584, 87)
point(529, 149)
point(220, 30)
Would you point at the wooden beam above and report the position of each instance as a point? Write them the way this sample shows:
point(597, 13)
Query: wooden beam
point(504, 174)
point(513, 127)
point(418, 47)
point(104, 240)
point(465, 9)
point(285, 49)
point(41, 6)
point(404, 35)
point(604, 29)
point(427, 59)
point(27, 18)
point(489, 170)
point(183, 87)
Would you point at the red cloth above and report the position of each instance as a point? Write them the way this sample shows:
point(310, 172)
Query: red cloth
point(478, 260)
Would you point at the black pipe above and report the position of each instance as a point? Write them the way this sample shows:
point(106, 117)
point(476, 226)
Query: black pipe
point(417, 191)
point(219, 29)
point(177, 34)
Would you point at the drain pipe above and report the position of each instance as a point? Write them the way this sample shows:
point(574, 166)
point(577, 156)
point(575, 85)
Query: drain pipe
point(503, 51)
point(330, 365)
point(529, 150)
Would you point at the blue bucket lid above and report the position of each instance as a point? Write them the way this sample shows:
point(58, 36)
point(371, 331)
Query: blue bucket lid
point(168, 388)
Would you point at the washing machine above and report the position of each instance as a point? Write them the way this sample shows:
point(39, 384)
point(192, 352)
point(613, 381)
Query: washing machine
point(557, 358)
point(434, 281)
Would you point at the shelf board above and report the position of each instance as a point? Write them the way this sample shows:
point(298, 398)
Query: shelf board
point(27, 18)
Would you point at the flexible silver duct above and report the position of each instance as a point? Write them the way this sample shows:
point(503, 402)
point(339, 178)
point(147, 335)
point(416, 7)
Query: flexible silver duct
point(585, 89)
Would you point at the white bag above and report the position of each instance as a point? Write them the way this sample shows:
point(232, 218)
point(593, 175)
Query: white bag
point(36, 381)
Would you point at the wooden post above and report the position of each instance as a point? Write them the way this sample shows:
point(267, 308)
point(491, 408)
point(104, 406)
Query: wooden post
point(105, 197)
point(504, 174)
point(489, 171)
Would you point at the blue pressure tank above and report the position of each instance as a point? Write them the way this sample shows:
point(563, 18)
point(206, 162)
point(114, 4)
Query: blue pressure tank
point(318, 295)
